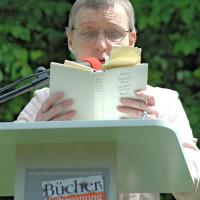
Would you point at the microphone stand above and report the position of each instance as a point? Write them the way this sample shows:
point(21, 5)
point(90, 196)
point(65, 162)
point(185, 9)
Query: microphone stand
point(42, 79)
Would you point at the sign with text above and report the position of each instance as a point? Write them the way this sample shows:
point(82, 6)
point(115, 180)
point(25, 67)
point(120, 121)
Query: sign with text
point(67, 184)
point(79, 188)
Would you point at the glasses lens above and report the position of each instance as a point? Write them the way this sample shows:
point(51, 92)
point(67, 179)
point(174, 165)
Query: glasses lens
point(87, 34)
point(115, 34)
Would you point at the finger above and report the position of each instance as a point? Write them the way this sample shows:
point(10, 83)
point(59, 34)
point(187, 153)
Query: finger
point(134, 108)
point(153, 112)
point(68, 116)
point(136, 114)
point(131, 112)
point(148, 95)
point(48, 103)
point(59, 109)
point(133, 103)
point(55, 111)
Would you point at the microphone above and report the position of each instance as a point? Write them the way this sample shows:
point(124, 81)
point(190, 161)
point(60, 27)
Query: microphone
point(40, 69)
point(92, 62)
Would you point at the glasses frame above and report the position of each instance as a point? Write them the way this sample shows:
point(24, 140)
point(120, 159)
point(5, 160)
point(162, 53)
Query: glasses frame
point(92, 40)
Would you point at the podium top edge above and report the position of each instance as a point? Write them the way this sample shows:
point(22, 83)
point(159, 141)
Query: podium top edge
point(84, 124)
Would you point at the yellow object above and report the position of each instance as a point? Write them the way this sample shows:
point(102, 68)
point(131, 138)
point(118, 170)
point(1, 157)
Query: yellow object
point(122, 56)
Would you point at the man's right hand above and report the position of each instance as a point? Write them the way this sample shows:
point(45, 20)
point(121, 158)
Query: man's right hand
point(55, 108)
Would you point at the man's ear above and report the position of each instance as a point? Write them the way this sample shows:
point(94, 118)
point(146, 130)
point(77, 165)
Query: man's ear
point(132, 38)
point(69, 40)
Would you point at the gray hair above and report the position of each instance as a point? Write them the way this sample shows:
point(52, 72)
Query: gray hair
point(96, 4)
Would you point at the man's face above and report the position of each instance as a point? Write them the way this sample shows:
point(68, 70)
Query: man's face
point(96, 31)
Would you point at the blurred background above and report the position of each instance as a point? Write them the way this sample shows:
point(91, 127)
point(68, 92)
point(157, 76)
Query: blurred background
point(32, 34)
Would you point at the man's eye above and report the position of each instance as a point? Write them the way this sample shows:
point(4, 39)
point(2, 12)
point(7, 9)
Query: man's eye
point(89, 34)
point(114, 35)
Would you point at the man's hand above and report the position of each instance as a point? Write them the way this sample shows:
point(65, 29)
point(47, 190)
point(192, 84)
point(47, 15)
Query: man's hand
point(135, 108)
point(55, 108)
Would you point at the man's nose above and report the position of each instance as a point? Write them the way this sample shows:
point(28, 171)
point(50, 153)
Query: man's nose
point(101, 42)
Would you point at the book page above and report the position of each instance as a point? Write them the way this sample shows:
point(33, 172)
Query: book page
point(77, 85)
point(122, 82)
point(123, 56)
point(75, 65)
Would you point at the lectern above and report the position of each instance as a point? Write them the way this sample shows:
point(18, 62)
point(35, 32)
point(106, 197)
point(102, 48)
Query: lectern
point(130, 155)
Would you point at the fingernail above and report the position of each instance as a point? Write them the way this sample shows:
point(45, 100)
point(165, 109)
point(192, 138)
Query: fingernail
point(67, 102)
point(123, 101)
point(61, 94)
point(70, 101)
point(58, 94)
point(74, 112)
point(137, 92)
point(118, 108)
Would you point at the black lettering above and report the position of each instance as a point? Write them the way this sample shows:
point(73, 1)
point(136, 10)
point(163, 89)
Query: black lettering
point(98, 185)
point(48, 190)
point(67, 189)
point(59, 188)
point(75, 187)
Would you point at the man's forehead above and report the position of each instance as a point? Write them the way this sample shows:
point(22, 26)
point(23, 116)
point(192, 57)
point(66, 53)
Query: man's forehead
point(114, 14)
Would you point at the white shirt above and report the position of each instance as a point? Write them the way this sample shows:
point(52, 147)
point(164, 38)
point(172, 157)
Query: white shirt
point(169, 108)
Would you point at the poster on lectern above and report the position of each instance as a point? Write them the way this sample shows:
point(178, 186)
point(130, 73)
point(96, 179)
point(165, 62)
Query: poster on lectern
point(67, 184)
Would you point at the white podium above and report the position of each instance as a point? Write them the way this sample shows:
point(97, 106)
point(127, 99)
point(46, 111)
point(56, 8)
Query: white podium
point(132, 155)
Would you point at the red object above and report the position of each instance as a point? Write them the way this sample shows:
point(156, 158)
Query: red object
point(94, 62)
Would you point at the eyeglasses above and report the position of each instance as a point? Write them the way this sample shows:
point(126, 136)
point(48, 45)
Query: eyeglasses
point(114, 34)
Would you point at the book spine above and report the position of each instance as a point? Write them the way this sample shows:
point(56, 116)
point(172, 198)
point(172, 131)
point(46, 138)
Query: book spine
point(98, 95)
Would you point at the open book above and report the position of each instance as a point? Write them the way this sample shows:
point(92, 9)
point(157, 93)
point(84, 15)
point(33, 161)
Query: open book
point(97, 94)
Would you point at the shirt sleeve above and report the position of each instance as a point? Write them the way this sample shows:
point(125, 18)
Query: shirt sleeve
point(30, 111)
point(172, 109)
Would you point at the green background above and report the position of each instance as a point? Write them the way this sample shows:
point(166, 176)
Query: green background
point(32, 35)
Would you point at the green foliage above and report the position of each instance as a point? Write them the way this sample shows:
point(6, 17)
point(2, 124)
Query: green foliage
point(31, 34)
point(168, 33)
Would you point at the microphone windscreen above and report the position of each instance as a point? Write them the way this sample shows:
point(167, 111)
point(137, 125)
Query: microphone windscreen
point(40, 69)
point(94, 62)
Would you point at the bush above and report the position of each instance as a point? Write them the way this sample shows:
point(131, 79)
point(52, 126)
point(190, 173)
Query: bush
point(168, 33)
point(32, 34)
